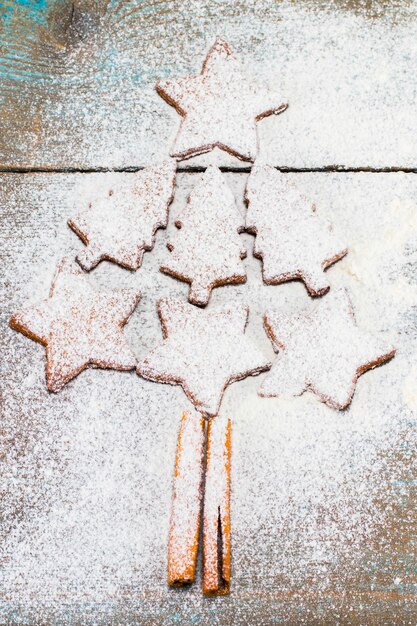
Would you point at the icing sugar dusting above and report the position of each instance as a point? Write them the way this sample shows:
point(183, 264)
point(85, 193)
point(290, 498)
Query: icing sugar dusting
point(319, 497)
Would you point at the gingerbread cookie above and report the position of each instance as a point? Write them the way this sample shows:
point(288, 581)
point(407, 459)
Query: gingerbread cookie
point(219, 108)
point(120, 225)
point(79, 326)
point(206, 250)
point(292, 241)
point(321, 350)
point(203, 351)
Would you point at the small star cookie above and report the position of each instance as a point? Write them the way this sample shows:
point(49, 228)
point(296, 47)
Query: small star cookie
point(203, 350)
point(292, 241)
point(219, 107)
point(79, 326)
point(322, 351)
point(206, 250)
point(121, 225)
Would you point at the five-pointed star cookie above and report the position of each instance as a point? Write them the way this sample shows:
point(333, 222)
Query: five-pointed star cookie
point(79, 326)
point(219, 108)
point(121, 224)
point(322, 350)
point(203, 351)
point(291, 239)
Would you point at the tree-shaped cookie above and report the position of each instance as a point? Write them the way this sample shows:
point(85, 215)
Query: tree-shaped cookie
point(203, 350)
point(219, 107)
point(79, 326)
point(322, 350)
point(291, 239)
point(206, 249)
point(120, 225)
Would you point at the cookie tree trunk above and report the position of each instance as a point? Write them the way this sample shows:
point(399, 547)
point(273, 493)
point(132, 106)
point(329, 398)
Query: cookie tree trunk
point(187, 504)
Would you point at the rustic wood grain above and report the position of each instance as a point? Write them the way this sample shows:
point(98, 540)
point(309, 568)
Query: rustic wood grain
point(318, 537)
point(77, 92)
point(77, 79)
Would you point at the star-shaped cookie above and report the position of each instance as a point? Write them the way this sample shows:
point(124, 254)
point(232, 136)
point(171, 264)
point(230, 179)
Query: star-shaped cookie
point(322, 350)
point(79, 326)
point(219, 107)
point(120, 225)
point(291, 239)
point(203, 350)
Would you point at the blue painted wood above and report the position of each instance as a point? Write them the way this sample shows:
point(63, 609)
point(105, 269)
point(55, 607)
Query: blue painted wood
point(77, 78)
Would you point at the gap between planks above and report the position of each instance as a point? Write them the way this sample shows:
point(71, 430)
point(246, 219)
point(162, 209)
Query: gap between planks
point(243, 169)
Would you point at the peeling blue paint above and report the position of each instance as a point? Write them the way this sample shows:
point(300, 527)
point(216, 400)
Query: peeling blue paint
point(35, 11)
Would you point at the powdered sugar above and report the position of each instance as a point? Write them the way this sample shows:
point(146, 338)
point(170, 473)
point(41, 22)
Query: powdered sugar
point(206, 250)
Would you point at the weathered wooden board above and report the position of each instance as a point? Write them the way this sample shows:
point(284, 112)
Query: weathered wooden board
point(324, 524)
point(77, 78)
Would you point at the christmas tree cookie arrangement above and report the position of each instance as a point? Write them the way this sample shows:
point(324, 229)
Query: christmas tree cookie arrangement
point(206, 250)
point(206, 349)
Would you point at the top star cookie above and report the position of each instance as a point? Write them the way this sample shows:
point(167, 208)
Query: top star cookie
point(121, 225)
point(219, 107)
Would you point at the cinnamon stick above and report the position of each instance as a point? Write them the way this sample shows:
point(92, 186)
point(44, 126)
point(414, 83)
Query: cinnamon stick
point(216, 519)
point(186, 505)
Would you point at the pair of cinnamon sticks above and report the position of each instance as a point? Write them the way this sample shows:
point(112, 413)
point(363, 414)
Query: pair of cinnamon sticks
point(187, 503)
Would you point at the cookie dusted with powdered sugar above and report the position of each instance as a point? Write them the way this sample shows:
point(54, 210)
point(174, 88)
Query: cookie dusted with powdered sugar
point(220, 107)
point(79, 326)
point(203, 350)
point(291, 239)
point(206, 249)
point(321, 350)
point(120, 224)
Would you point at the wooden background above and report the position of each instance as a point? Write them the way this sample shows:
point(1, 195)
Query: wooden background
point(77, 97)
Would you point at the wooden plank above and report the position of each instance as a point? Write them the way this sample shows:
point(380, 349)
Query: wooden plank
point(323, 503)
point(77, 79)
